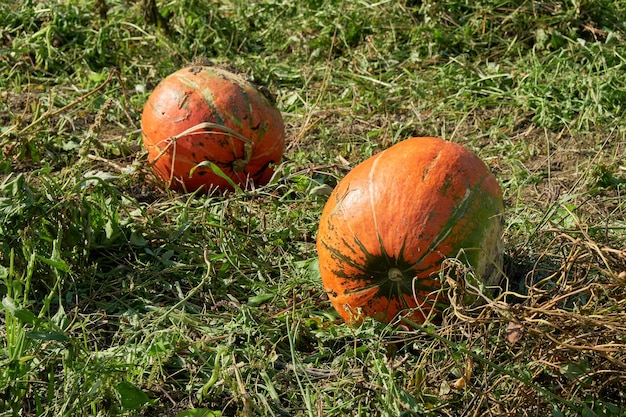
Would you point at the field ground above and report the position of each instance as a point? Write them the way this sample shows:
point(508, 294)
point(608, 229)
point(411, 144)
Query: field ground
point(122, 298)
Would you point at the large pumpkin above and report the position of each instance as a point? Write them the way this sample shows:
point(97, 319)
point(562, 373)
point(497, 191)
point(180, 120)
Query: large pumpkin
point(203, 115)
point(391, 222)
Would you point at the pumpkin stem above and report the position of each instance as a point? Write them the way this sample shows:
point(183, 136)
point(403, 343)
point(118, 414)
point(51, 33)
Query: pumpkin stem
point(394, 274)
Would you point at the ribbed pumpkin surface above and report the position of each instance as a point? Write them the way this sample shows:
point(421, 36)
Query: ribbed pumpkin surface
point(393, 219)
point(213, 103)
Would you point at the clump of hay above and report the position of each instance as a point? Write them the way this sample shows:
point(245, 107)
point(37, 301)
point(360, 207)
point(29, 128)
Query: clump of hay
point(557, 344)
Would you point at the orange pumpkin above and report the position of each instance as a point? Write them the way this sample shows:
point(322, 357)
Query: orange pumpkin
point(202, 115)
point(391, 222)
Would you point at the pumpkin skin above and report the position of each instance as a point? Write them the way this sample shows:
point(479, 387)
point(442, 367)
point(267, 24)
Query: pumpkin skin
point(226, 104)
point(391, 221)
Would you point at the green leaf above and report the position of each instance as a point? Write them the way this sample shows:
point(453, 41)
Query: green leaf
point(59, 337)
point(55, 263)
point(131, 397)
point(136, 239)
point(22, 314)
point(257, 300)
point(109, 229)
point(199, 412)
point(217, 171)
point(60, 319)
point(323, 189)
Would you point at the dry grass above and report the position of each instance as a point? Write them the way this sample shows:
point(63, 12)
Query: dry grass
point(559, 345)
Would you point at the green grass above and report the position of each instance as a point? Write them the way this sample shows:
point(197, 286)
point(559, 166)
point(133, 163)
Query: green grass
point(121, 298)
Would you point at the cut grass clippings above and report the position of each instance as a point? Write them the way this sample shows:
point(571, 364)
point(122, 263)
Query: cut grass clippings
point(122, 298)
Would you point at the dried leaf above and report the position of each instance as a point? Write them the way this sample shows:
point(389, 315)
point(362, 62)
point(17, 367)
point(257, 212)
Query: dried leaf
point(459, 383)
point(463, 381)
point(513, 332)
